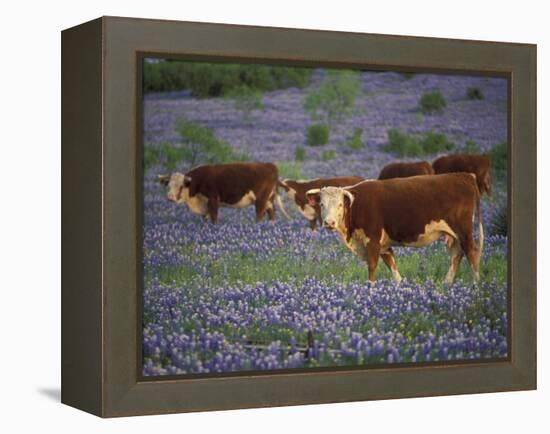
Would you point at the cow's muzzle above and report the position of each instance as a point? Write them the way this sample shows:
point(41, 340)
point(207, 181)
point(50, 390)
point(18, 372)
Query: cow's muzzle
point(329, 224)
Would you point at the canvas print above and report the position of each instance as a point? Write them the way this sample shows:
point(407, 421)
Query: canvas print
point(314, 218)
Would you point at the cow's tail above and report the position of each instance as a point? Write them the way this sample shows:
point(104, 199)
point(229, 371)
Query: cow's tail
point(479, 221)
point(280, 204)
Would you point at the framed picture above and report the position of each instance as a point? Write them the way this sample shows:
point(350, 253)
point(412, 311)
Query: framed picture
point(260, 217)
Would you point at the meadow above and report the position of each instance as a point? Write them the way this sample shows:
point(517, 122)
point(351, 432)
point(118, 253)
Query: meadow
point(244, 296)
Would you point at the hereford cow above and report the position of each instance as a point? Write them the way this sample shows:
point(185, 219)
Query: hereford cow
point(296, 191)
point(205, 188)
point(479, 165)
point(405, 170)
point(373, 216)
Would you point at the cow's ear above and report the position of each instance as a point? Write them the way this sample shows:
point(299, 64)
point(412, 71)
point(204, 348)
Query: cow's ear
point(348, 195)
point(163, 179)
point(194, 186)
point(348, 201)
point(313, 197)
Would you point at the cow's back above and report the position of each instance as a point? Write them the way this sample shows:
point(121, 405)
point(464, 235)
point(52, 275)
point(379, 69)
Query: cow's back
point(231, 181)
point(477, 164)
point(404, 206)
point(405, 170)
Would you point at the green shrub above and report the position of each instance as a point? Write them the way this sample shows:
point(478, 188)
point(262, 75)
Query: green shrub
point(499, 160)
point(151, 156)
point(410, 145)
point(402, 144)
point(407, 75)
point(335, 98)
point(288, 76)
point(355, 142)
point(246, 99)
point(205, 79)
point(318, 134)
point(200, 145)
point(433, 143)
point(474, 93)
point(289, 169)
point(432, 102)
point(499, 225)
point(329, 155)
point(171, 155)
point(300, 153)
point(470, 147)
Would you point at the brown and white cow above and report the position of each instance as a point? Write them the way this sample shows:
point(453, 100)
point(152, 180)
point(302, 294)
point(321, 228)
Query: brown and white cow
point(374, 216)
point(479, 165)
point(207, 188)
point(405, 170)
point(296, 191)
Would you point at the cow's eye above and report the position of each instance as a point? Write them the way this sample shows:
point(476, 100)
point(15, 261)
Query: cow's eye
point(322, 205)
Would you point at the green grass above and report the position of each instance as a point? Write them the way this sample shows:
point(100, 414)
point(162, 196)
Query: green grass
point(289, 169)
point(329, 154)
point(422, 265)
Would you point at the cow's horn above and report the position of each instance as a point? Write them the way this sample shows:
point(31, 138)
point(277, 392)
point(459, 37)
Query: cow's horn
point(350, 196)
point(163, 179)
point(313, 191)
point(312, 201)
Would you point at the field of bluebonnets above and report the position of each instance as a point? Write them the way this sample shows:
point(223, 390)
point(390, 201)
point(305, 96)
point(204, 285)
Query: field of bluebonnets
point(244, 296)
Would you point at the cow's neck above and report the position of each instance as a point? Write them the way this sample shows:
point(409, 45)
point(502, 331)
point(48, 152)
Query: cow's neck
point(299, 194)
point(342, 230)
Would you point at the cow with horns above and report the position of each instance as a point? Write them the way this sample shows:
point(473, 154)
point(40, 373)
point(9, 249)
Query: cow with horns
point(373, 216)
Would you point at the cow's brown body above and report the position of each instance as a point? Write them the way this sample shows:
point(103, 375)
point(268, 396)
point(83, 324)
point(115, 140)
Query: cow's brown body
point(205, 188)
point(405, 170)
point(296, 190)
point(413, 211)
point(479, 165)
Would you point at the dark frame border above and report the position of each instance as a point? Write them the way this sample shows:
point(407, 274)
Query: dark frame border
point(99, 305)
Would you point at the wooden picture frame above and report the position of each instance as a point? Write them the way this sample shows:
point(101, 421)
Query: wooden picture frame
point(100, 214)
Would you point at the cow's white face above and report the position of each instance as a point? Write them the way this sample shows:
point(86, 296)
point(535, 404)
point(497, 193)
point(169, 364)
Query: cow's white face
point(178, 188)
point(332, 202)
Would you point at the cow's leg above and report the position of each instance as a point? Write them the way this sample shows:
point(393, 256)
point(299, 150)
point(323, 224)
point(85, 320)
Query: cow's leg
point(373, 255)
point(456, 256)
point(472, 254)
point(261, 207)
point(213, 207)
point(271, 207)
point(389, 260)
